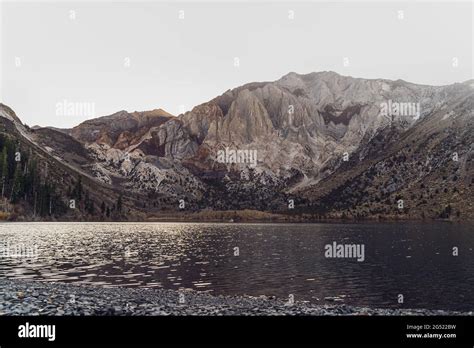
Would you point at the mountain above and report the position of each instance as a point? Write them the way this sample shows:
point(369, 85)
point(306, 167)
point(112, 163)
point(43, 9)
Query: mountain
point(335, 146)
point(42, 178)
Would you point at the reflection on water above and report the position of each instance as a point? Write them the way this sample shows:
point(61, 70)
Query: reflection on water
point(273, 259)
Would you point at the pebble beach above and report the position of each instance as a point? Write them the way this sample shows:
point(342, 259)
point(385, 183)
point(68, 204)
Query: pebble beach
point(20, 298)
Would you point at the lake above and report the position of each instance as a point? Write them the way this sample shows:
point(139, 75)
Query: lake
point(412, 259)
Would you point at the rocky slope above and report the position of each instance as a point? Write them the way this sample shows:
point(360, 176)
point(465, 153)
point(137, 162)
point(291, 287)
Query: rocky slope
point(340, 147)
point(41, 175)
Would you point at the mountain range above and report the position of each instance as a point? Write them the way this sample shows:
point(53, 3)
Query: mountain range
point(327, 147)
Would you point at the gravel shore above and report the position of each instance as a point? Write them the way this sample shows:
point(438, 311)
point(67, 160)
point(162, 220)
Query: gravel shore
point(37, 298)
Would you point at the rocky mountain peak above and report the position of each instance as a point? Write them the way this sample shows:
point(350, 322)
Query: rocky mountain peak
point(318, 136)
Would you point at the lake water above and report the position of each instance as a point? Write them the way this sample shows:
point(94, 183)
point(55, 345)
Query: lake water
point(412, 259)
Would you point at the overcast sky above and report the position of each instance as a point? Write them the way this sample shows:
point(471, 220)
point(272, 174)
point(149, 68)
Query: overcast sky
point(49, 57)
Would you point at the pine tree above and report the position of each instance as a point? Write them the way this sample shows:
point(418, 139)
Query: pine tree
point(119, 204)
point(91, 208)
point(77, 191)
point(4, 162)
point(10, 159)
point(87, 203)
point(17, 186)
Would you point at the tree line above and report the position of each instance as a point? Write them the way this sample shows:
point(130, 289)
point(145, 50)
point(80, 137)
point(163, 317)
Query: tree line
point(22, 182)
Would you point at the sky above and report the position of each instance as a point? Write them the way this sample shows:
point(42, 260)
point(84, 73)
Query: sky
point(65, 62)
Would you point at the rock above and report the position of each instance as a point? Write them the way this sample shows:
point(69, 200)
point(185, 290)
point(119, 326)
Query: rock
point(121, 301)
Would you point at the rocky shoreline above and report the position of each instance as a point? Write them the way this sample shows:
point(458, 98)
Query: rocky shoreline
point(19, 298)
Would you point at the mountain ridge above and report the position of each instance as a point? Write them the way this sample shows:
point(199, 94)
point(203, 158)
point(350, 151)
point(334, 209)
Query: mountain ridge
point(307, 129)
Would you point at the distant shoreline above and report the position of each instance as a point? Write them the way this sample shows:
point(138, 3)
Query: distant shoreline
point(244, 216)
point(283, 222)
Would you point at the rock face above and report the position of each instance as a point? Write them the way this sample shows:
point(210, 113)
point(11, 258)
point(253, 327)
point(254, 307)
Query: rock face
point(121, 129)
point(339, 146)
